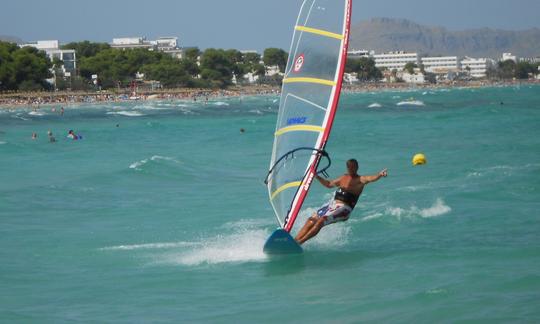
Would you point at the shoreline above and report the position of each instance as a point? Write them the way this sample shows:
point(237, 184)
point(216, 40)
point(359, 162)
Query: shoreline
point(34, 100)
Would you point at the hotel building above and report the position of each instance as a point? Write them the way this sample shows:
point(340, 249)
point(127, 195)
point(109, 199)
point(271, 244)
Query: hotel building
point(356, 54)
point(440, 65)
point(52, 49)
point(395, 60)
point(167, 45)
point(476, 67)
point(132, 42)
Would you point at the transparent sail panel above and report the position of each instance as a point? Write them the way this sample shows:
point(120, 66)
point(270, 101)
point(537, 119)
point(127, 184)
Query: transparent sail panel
point(308, 95)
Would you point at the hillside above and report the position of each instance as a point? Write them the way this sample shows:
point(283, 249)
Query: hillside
point(386, 34)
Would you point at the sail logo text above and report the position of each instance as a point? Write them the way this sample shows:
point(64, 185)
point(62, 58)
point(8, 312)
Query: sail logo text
point(308, 182)
point(296, 120)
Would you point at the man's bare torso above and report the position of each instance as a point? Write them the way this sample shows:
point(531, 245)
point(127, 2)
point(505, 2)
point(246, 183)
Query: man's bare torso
point(352, 184)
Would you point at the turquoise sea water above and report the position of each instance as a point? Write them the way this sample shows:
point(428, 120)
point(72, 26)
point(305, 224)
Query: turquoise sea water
point(163, 218)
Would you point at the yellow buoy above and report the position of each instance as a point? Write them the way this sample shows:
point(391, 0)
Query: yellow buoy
point(419, 159)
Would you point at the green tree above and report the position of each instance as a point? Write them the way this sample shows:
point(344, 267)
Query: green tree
point(365, 69)
point(114, 66)
point(169, 72)
point(523, 69)
point(189, 61)
point(192, 53)
point(237, 60)
point(86, 48)
point(7, 72)
point(23, 68)
point(409, 67)
point(275, 56)
point(507, 69)
point(252, 58)
point(216, 68)
point(31, 68)
point(191, 67)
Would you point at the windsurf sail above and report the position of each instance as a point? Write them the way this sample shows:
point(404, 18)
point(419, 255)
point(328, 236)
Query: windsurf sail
point(309, 99)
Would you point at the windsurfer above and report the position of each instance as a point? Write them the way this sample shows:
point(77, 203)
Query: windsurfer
point(350, 187)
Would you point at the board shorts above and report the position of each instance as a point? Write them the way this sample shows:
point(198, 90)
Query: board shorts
point(334, 212)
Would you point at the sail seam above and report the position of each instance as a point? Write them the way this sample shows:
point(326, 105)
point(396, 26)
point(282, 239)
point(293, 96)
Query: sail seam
point(306, 101)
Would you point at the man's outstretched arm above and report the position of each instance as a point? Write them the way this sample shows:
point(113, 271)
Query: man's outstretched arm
point(327, 183)
point(375, 177)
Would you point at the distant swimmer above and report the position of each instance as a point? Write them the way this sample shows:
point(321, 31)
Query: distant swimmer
point(34, 136)
point(242, 130)
point(350, 187)
point(61, 111)
point(51, 137)
point(73, 136)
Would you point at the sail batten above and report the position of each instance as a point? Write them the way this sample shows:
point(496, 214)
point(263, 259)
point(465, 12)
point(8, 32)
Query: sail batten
point(309, 99)
point(319, 32)
point(310, 80)
point(300, 128)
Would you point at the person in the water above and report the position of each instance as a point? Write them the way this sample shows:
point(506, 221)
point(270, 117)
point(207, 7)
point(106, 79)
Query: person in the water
point(350, 187)
point(73, 136)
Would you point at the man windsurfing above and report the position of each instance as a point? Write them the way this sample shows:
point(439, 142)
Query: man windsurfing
point(350, 187)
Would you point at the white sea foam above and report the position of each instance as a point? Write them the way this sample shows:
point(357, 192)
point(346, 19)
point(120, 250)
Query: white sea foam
point(256, 111)
point(220, 103)
point(411, 103)
point(505, 170)
point(36, 113)
point(150, 107)
point(2, 143)
point(126, 113)
point(243, 243)
point(437, 209)
point(375, 105)
point(18, 116)
point(243, 246)
point(372, 216)
point(149, 246)
point(137, 165)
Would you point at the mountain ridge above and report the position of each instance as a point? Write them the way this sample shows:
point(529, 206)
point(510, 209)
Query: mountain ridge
point(391, 34)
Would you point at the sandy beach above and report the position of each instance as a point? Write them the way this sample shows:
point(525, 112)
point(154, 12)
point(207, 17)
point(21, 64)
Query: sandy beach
point(12, 100)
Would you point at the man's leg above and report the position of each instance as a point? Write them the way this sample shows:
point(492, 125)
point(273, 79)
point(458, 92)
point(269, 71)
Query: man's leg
point(307, 226)
point(314, 230)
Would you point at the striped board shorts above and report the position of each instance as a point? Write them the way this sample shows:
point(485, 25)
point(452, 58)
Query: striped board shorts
point(334, 212)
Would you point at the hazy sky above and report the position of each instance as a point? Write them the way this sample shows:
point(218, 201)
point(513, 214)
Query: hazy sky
point(240, 24)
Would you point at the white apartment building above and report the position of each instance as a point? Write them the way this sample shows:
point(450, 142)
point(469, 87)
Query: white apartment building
point(355, 54)
point(52, 49)
point(132, 42)
point(416, 78)
point(169, 45)
point(440, 65)
point(476, 67)
point(395, 60)
point(508, 56)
